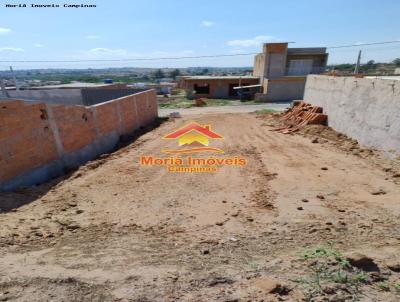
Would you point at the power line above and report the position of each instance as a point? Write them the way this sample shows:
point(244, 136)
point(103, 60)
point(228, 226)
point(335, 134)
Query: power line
point(177, 58)
point(364, 44)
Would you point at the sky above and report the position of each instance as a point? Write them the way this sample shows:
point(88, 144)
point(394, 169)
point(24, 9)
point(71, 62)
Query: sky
point(122, 29)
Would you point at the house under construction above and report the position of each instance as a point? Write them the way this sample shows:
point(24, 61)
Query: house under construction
point(279, 74)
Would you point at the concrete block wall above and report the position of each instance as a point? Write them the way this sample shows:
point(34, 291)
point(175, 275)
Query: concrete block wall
point(91, 96)
point(367, 110)
point(75, 96)
point(282, 89)
point(52, 96)
point(39, 141)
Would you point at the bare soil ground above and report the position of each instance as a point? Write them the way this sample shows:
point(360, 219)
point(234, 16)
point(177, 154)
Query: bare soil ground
point(312, 217)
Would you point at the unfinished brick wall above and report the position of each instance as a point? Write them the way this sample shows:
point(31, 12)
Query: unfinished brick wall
point(75, 125)
point(129, 115)
point(38, 140)
point(26, 139)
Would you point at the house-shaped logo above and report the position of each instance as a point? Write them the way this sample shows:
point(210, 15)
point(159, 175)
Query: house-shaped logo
point(193, 137)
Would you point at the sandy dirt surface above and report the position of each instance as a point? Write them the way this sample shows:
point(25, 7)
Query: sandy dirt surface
point(311, 217)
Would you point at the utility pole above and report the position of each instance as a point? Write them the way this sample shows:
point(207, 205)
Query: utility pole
point(240, 91)
point(15, 79)
point(358, 62)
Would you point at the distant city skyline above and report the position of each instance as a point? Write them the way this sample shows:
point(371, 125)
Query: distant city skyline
point(151, 29)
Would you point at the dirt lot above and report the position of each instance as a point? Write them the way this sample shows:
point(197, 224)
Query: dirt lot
point(312, 217)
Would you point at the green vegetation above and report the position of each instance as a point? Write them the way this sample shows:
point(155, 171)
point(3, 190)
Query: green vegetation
point(220, 102)
point(175, 73)
point(265, 111)
point(383, 285)
point(158, 74)
point(330, 271)
point(180, 101)
point(370, 67)
point(176, 103)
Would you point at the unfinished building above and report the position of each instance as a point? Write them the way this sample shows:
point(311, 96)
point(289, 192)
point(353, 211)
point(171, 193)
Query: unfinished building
point(282, 71)
point(219, 87)
point(279, 74)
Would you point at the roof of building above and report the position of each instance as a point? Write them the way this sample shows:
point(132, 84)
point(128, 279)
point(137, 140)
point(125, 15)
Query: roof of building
point(74, 85)
point(307, 51)
point(219, 77)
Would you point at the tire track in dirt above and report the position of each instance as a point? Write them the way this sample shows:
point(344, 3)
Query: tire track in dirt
point(148, 235)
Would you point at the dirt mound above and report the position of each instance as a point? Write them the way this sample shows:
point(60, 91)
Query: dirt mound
point(322, 134)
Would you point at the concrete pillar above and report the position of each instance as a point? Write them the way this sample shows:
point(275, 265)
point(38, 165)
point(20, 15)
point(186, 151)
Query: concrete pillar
point(275, 59)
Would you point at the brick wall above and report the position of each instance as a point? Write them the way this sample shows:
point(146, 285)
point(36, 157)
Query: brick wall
point(38, 141)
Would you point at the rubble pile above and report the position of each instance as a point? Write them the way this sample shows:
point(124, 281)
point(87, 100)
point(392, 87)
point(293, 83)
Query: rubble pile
point(302, 114)
point(200, 102)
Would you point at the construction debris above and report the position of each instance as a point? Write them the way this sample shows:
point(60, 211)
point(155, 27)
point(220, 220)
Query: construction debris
point(200, 102)
point(300, 115)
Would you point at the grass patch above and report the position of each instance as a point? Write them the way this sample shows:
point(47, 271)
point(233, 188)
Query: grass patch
point(180, 101)
point(383, 285)
point(265, 111)
point(330, 274)
point(177, 103)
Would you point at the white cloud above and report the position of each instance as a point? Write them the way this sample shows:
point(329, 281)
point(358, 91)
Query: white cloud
point(11, 49)
point(107, 52)
point(238, 51)
point(256, 41)
point(92, 37)
point(207, 23)
point(38, 45)
point(4, 31)
point(186, 52)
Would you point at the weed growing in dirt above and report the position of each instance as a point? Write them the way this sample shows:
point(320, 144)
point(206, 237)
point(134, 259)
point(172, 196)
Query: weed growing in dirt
point(254, 265)
point(383, 285)
point(397, 286)
point(330, 274)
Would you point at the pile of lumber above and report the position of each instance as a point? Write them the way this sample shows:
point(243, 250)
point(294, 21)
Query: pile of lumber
point(302, 114)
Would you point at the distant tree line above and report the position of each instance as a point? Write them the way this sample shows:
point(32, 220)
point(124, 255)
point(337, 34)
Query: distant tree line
point(370, 66)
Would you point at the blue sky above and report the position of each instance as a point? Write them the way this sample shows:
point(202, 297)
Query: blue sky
point(164, 28)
